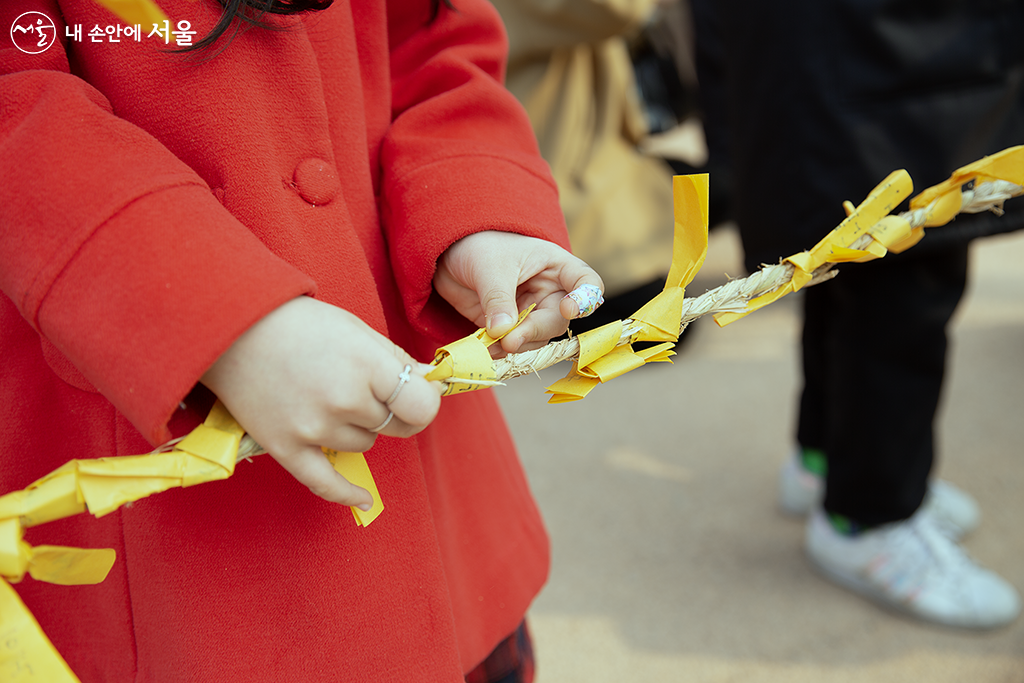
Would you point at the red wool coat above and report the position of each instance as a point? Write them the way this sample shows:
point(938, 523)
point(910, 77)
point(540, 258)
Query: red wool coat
point(152, 207)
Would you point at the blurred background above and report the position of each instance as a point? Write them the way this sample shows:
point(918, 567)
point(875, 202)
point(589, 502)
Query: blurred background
point(672, 560)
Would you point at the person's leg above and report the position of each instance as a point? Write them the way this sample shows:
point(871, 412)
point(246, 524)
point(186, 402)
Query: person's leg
point(883, 352)
point(884, 358)
point(811, 423)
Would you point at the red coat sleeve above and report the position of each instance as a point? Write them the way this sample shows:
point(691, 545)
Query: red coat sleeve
point(115, 250)
point(460, 156)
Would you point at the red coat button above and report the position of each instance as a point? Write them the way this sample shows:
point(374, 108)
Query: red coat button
point(316, 181)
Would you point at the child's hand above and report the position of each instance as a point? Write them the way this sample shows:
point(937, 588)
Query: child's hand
point(490, 276)
point(309, 375)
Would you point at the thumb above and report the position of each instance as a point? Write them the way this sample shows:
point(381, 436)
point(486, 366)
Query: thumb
point(498, 300)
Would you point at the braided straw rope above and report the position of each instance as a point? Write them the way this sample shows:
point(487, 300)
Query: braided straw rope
point(732, 297)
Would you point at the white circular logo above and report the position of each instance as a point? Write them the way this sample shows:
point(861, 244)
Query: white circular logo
point(33, 32)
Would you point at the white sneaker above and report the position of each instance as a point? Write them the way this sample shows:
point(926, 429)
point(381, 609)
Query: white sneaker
point(913, 567)
point(953, 509)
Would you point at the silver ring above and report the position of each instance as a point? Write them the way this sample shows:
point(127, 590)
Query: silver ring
point(402, 379)
point(384, 423)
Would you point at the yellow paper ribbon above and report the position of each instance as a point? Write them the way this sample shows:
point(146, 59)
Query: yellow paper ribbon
point(601, 358)
point(660, 318)
point(890, 233)
point(353, 467)
point(101, 485)
point(1007, 165)
point(468, 359)
point(26, 654)
point(104, 484)
point(836, 246)
point(50, 563)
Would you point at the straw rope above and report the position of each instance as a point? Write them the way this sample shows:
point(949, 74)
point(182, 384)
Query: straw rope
point(732, 297)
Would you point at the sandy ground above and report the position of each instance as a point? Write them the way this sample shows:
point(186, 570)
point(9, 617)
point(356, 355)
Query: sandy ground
point(671, 561)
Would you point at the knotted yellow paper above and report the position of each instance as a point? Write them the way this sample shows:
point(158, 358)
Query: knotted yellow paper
point(104, 484)
point(890, 233)
point(1007, 165)
point(599, 342)
point(469, 360)
point(50, 563)
point(836, 246)
point(660, 318)
point(620, 360)
point(601, 358)
point(100, 486)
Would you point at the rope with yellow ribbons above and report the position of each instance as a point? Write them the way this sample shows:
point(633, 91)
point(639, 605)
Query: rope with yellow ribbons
point(868, 232)
point(210, 452)
point(100, 486)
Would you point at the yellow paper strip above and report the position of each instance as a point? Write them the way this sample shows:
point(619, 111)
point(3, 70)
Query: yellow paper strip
point(220, 418)
point(690, 238)
point(615, 363)
point(882, 200)
point(600, 358)
point(353, 467)
point(468, 358)
point(891, 230)
point(214, 451)
point(835, 247)
point(915, 236)
point(661, 316)
point(946, 206)
point(55, 496)
point(572, 387)
point(14, 552)
point(26, 654)
point(800, 278)
point(1007, 165)
point(70, 566)
point(105, 494)
point(662, 353)
point(598, 342)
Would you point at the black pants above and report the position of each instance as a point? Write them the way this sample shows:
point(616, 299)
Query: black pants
point(874, 349)
point(811, 103)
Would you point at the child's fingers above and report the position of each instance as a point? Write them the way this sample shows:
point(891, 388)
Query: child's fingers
point(542, 324)
point(402, 392)
point(404, 421)
point(581, 301)
point(497, 293)
point(310, 467)
point(583, 284)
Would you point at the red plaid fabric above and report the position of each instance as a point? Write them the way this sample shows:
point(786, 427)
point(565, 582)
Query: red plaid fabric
point(510, 662)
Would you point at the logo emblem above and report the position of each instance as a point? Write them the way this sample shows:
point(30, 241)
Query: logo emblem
point(33, 33)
